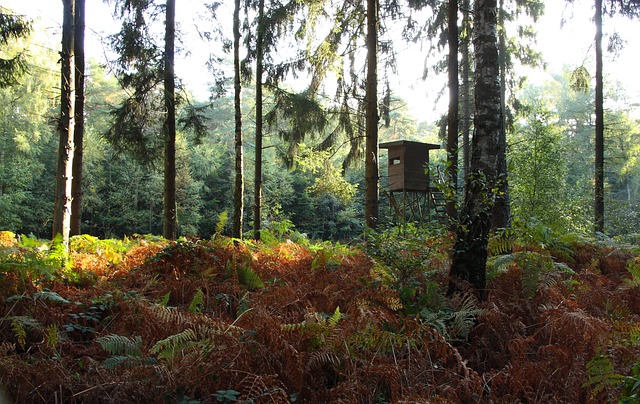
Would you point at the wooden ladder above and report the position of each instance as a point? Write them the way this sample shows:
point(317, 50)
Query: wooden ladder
point(439, 204)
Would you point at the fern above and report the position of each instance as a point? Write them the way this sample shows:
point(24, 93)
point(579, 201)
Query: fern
point(6, 347)
point(249, 279)
point(168, 314)
point(464, 319)
point(168, 348)
point(46, 294)
point(634, 270)
point(197, 302)
point(20, 333)
point(121, 345)
point(126, 361)
point(601, 375)
point(319, 358)
point(335, 317)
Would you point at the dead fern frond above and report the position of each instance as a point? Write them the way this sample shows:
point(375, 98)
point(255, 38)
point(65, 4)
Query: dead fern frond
point(6, 347)
point(169, 315)
point(320, 358)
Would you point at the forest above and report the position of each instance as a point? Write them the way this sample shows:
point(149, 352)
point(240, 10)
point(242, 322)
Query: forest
point(253, 245)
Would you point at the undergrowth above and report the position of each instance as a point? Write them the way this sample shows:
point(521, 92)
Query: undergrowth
point(202, 321)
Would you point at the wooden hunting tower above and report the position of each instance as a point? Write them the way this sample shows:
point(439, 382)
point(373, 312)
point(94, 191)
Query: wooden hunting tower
point(411, 195)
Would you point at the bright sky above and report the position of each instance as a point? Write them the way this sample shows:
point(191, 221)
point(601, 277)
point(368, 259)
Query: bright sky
point(570, 45)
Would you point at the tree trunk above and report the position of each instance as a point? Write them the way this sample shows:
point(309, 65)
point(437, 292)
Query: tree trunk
point(468, 266)
point(169, 228)
point(238, 204)
point(62, 208)
point(599, 138)
point(452, 117)
point(501, 217)
point(257, 208)
point(78, 135)
point(466, 88)
point(372, 204)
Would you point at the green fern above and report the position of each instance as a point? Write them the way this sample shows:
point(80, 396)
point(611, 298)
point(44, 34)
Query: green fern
point(120, 345)
point(464, 320)
point(249, 279)
point(126, 362)
point(634, 270)
point(197, 302)
point(601, 374)
point(169, 347)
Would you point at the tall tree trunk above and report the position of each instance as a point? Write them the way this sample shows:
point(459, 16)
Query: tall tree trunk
point(170, 222)
point(452, 117)
point(466, 87)
point(238, 204)
point(501, 217)
point(599, 138)
point(78, 135)
point(62, 208)
point(372, 203)
point(257, 211)
point(468, 266)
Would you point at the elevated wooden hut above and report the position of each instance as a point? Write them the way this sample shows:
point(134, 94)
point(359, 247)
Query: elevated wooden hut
point(411, 194)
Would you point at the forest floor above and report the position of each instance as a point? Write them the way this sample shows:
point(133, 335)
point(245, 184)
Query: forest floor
point(144, 320)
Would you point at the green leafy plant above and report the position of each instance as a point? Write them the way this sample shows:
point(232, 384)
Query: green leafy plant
point(125, 352)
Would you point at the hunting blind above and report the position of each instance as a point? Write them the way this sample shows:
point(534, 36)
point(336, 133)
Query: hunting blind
point(411, 194)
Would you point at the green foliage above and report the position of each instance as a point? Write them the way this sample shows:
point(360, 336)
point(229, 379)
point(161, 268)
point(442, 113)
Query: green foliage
point(226, 396)
point(249, 278)
point(125, 352)
point(601, 374)
point(197, 302)
point(538, 270)
point(121, 345)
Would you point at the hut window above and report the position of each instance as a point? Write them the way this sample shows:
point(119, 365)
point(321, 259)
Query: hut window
point(395, 161)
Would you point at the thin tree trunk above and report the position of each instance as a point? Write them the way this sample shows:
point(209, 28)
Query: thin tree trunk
point(468, 266)
point(169, 228)
point(257, 208)
point(452, 117)
point(501, 217)
point(599, 138)
point(372, 203)
point(62, 208)
point(78, 135)
point(238, 204)
point(466, 88)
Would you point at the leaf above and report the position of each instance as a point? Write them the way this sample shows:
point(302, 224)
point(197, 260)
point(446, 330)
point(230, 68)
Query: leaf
point(121, 345)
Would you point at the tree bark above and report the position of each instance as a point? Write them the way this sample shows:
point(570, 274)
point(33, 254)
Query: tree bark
point(238, 204)
point(78, 135)
point(599, 136)
point(452, 117)
point(372, 203)
point(62, 207)
point(501, 217)
point(468, 266)
point(466, 88)
point(170, 222)
point(257, 208)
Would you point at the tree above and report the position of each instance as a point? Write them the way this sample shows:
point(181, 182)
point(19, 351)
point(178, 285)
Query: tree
point(142, 67)
point(372, 202)
point(257, 208)
point(465, 89)
point(599, 135)
point(468, 264)
point(78, 134)
point(62, 207)
point(170, 216)
point(238, 193)
point(452, 116)
point(12, 27)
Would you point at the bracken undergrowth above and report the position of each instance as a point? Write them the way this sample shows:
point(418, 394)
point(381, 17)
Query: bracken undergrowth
point(204, 321)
